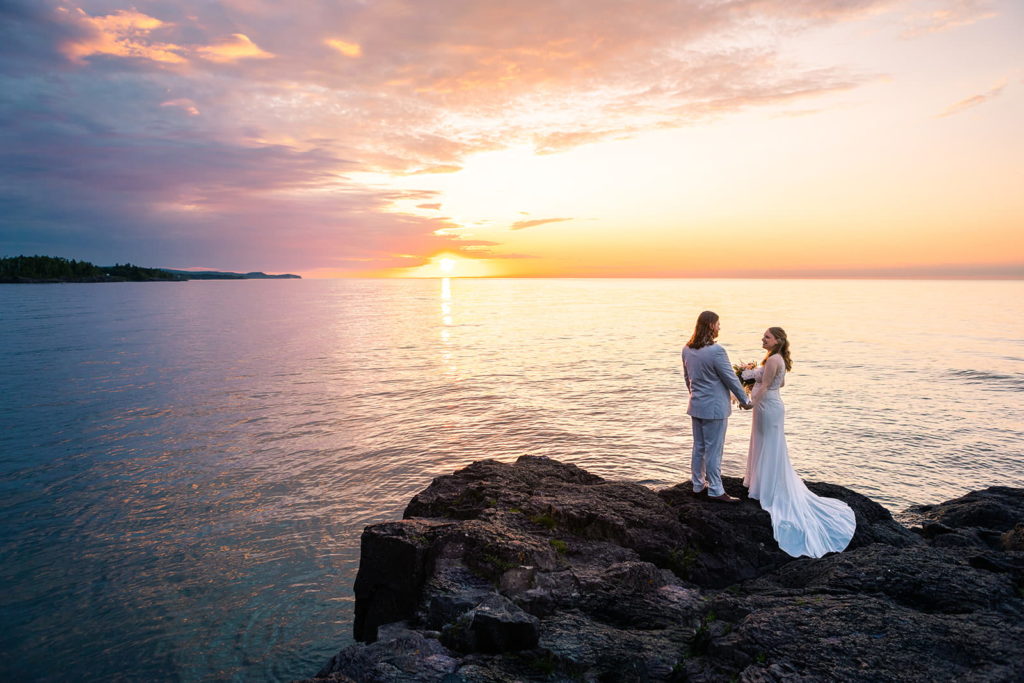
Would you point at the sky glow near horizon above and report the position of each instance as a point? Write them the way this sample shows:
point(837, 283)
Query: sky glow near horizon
point(471, 138)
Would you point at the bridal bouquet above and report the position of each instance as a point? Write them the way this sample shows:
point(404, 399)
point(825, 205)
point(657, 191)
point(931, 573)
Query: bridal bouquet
point(745, 373)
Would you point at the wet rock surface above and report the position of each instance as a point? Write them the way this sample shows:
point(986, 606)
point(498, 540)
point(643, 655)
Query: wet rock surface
point(541, 571)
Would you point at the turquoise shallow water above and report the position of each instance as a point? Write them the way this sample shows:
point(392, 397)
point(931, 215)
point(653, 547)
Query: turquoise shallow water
point(185, 468)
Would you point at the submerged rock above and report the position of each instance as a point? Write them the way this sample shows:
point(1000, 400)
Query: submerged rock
point(539, 570)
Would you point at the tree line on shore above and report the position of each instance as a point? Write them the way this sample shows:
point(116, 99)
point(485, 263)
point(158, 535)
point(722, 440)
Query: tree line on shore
point(57, 269)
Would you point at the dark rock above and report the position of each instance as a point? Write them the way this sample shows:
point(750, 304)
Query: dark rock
point(1014, 538)
point(637, 595)
point(598, 650)
point(539, 570)
point(960, 538)
point(732, 543)
point(400, 655)
point(466, 494)
point(875, 524)
point(857, 638)
point(392, 570)
point(1001, 563)
point(919, 578)
point(495, 624)
point(445, 608)
point(998, 508)
point(538, 494)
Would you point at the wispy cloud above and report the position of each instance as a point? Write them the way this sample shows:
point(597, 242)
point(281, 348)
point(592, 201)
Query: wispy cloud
point(532, 223)
point(954, 14)
point(184, 103)
point(972, 101)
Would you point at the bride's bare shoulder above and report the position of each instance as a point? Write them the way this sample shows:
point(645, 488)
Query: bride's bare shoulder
point(774, 360)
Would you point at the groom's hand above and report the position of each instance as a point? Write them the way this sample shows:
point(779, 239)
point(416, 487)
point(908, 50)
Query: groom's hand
point(746, 406)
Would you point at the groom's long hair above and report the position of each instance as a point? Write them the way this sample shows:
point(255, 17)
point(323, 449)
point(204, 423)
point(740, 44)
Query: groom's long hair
point(703, 335)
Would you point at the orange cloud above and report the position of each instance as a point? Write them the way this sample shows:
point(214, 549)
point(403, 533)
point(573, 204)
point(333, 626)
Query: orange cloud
point(239, 46)
point(439, 168)
point(123, 34)
point(519, 225)
point(344, 47)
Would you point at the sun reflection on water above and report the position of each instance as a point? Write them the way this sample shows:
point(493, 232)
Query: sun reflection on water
point(447, 322)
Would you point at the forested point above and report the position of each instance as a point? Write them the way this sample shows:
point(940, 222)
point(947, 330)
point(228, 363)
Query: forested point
point(57, 269)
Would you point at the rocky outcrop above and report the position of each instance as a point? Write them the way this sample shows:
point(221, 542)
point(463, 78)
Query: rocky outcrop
point(539, 570)
point(732, 543)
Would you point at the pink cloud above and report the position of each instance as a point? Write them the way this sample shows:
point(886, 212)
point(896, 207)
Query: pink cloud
point(420, 90)
point(183, 103)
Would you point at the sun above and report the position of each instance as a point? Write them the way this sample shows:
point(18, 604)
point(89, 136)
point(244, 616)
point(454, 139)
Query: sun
point(448, 265)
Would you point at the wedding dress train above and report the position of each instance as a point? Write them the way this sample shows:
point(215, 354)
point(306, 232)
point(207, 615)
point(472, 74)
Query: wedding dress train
point(803, 523)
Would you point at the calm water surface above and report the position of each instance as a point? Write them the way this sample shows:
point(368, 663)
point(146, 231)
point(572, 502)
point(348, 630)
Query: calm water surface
point(185, 468)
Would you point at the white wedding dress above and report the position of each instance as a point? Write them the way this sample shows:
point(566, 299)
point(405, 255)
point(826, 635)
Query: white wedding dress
point(803, 523)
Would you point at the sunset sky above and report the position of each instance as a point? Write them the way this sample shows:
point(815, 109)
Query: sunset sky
point(604, 138)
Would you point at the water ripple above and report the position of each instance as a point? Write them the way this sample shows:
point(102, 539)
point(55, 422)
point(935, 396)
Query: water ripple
point(990, 380)
point(186, 474)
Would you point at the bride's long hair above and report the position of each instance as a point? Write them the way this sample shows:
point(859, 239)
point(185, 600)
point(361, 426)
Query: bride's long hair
point(781, 348)
point(703, 335)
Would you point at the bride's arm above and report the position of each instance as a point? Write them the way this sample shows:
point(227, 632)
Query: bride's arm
point(771, 368)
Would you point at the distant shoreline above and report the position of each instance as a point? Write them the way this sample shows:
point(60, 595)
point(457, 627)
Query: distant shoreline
point(175, 278)
point(77, 281)
point(57, 270)
point(227, 275)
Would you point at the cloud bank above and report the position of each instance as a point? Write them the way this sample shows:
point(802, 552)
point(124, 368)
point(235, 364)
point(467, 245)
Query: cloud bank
point(234, 134)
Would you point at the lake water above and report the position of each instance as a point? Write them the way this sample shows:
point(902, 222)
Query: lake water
point(185, 468)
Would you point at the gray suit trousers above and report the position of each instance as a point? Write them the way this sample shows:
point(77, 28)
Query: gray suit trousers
point(706, 463)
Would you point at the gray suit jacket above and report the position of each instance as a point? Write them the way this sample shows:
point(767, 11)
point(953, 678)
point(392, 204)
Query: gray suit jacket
point(710, 377)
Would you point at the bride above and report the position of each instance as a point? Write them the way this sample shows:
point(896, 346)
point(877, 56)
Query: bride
point(803, 523)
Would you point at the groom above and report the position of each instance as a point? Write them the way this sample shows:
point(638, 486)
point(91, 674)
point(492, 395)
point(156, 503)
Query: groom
point(709, 378)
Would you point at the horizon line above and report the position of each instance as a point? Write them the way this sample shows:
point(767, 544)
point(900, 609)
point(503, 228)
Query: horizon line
point(994, 278)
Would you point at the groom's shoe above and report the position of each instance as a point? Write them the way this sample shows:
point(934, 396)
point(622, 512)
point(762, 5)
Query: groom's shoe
point(724, 498)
